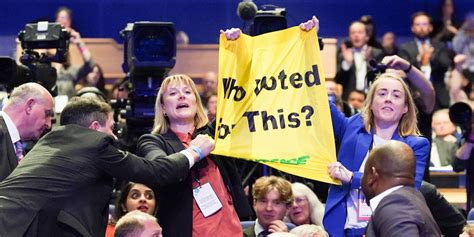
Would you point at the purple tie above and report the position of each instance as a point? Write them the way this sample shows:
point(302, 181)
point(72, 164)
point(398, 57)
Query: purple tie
point(19, 150)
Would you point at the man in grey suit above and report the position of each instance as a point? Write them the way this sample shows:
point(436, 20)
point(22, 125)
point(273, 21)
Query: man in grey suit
point(26, 115)
point(398, 209)
point(63, 185)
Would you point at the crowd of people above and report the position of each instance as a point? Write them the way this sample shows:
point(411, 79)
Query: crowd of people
point(388, 131)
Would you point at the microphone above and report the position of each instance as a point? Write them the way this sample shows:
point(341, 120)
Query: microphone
point(377, 67)
point(246, 10)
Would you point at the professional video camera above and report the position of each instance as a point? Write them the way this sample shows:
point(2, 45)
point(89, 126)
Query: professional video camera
point(36, 66)
point(461, 115)
point(149, 54)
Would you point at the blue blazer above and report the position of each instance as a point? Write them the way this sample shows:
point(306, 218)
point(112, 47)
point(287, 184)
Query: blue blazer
point(355, 142)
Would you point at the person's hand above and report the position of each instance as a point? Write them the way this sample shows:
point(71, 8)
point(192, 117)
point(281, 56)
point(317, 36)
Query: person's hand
point(425, 54)
point(459, 61)
point(337, 171)
point(347, 54)
point(232, 34)
point(75, 37)
point(277, 226)
point(203, 142)
point(396, 62)
point(310, 24)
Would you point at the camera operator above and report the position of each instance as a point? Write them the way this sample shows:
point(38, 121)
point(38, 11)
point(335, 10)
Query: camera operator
point(464, 161)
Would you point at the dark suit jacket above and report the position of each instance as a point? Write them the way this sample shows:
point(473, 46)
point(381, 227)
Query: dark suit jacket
point(348, 78)
point(249, 231)
point(63, 185)
point(440, 62)
point(175, 201)
point(402, 213)
point(8, 159)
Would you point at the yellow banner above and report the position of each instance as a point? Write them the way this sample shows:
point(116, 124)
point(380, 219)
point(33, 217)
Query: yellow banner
point(272, 103)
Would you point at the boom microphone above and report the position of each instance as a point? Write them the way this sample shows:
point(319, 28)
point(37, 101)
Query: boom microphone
point(246, 10)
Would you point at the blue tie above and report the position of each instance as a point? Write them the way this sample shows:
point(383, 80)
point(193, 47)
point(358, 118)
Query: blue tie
point(19, 150)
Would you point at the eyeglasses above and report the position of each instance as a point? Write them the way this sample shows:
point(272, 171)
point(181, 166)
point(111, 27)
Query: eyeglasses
point(300, 200)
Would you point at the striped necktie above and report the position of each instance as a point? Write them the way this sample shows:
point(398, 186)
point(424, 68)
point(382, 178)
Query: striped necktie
point(19, 150)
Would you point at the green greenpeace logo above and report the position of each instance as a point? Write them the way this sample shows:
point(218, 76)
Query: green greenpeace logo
point(302, 160)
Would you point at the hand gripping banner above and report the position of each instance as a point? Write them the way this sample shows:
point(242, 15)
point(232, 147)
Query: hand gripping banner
point(272, 103)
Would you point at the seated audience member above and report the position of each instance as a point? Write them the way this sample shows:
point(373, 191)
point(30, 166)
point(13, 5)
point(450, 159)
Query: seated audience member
point(468, 231)
point(307, 230)
point(356, 99)
point(181, 124)
point(95, 78)
point(211, 106)
point(444, 143)
point(398, 209)
point(272, 197)
point(448, 217)
point(133, 196)
point(63, 185)
point(209, 86)
point(138, 224)
point(306, 208)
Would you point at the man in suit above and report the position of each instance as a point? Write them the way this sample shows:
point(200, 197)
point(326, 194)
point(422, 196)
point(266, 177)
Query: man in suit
point(431, 57)
point(64, 184)
point(398, 209)
point(353, 60)
point(25, 117)
point(272, 196)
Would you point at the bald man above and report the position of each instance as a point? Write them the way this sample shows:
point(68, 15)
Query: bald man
point(26, 115)
point(137, 224)
point(398, 209)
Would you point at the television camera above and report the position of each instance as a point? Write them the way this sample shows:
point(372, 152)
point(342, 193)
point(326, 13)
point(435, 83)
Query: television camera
point(36, 66)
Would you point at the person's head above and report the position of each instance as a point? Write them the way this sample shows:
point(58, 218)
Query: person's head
point(30, 107)
point(447, 8)
point(210, 83)
point(389, 102)
point(441, 124)
point(121, 89)
point(309, 231)
point(356, 99)
point(137, 224)
point(64, 17)
point(306, 208)
point(211, 106)
point(358, 34)
point(135, 196)
point(95, 78)
point(91, 92)
point(468, 231)
point(388, 165)
point(388, 41)
point(178, 101)
point(369, 25)
point(272, 196)
point(182, 38)
point(421, 25)
point(89, 113)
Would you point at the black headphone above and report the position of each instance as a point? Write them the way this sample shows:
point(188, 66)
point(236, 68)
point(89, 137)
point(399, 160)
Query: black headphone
point(92, 90)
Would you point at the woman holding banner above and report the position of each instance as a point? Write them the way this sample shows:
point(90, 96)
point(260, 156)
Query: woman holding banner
point(181, 129)
point(389, 113)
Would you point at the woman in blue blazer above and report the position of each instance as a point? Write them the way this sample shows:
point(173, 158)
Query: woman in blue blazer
point(389, 113)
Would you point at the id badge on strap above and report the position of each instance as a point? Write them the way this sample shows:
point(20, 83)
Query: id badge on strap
point(363, 209)
point(207, 199)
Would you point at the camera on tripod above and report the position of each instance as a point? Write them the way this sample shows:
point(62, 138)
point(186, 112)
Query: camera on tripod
point(35, 66)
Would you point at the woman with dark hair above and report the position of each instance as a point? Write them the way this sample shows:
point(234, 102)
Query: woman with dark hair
point(133, 196)
point(95, 78)
point(446, 26)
